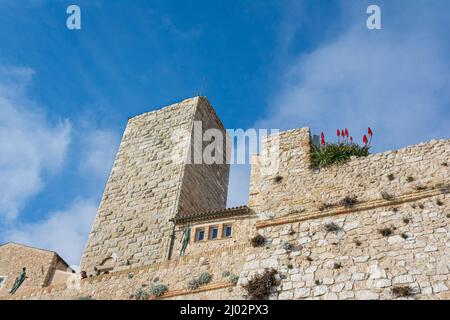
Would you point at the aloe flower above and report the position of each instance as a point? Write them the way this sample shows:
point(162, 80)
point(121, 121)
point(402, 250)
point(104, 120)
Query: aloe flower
point(365, 140)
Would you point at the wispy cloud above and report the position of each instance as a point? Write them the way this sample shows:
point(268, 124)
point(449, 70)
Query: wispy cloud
point(396, 80)
point(99, 148)
point(63, 231)
point(30, 143)
point(31, 146)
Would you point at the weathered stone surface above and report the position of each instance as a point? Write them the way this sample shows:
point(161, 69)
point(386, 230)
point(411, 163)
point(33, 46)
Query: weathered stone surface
point(353, 260)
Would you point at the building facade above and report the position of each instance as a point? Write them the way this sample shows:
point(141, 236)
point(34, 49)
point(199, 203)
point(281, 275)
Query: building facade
point(163, 221)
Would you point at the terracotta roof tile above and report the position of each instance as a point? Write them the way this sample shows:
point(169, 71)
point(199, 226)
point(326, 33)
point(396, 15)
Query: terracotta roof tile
point(226, 212)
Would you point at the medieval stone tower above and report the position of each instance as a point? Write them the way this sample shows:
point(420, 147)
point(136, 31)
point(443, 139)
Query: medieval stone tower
point(149, 186)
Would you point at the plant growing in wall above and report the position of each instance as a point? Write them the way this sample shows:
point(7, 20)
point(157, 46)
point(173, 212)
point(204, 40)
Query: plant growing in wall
point(332, 227)
point(202, 279)
point(233, 279)
point(287, 246)
point(258, 241)
point(325, 206)
point(403, 291)
point(140, 294)
point(226, 274)
point(258, 288)
point(386, 196)
point(349, 202)
point(193, 284)
point(158, 290)
point(386, 232)
point(409, 179)
point(328, 153)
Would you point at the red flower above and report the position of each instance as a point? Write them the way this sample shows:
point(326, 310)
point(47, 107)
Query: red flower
point(322, 138)
point(351, 139)
point(346, 133)
point(338, 133)
point(369, 131)
point(365, 140)
point(343, 133)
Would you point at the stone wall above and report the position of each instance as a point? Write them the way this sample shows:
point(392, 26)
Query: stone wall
point(41, 265)
point(397, 244)
point(243, 228)
point(321, 248)
point(303, 189)
point(204, 186)
point(148, 185)
point(356, 259)
point(175, 274)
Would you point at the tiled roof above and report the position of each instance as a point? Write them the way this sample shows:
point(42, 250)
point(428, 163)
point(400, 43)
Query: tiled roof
point(220, 213)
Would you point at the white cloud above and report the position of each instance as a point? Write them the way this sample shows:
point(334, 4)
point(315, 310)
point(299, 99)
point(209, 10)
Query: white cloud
point(396, 80)
point(65, 231)
point(99, 149)
point(30, 144)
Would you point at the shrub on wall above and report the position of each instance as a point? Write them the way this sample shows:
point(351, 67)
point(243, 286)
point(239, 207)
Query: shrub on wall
point(140, 294)
point(258, 288)
point(332, 227)
point(403, 291)
point(232, 278)
point(287, 246)
point(326, 154)
point(258, 241)
point(386, 231)
point(386, 196)
point(349, 202)
point(158, 290)
point(193, 284)
point(202, 279)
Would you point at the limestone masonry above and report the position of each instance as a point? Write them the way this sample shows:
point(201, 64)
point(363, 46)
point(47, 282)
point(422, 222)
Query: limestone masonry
point(393, 236)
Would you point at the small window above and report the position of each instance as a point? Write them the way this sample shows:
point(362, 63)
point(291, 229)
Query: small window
point(2, 281)
point(200, 235)
point(213, 232)
point(227, 231)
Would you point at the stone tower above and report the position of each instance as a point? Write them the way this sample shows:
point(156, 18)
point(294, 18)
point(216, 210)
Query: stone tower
point(149, 186)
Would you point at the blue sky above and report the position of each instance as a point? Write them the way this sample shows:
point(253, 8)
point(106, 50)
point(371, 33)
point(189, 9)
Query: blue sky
point(65, 96)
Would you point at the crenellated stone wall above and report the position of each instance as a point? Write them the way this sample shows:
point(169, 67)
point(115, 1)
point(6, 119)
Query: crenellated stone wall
point(303, 189)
